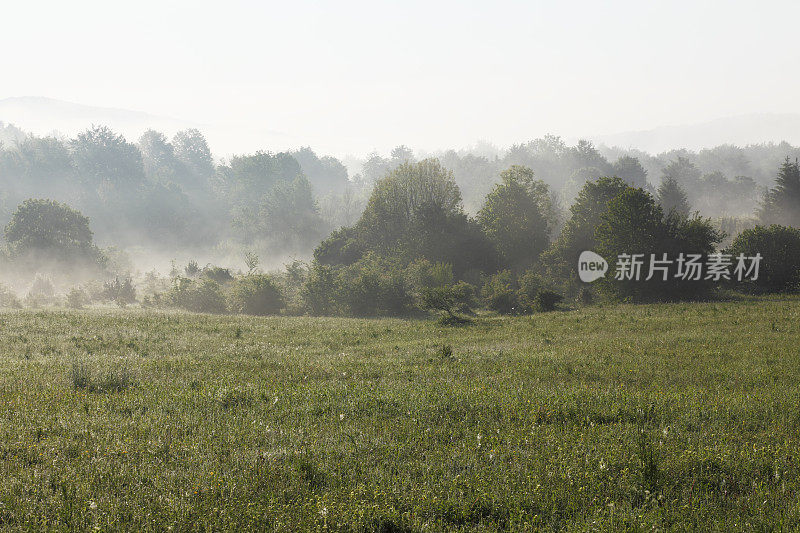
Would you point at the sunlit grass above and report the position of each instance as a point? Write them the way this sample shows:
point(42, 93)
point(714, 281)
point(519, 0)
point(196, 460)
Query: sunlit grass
point(675, 416)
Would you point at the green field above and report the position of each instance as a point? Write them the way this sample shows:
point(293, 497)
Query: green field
point(678, 416)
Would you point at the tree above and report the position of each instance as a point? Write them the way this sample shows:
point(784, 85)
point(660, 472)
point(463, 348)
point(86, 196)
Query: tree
point(779, 247)
point(402, 154)
point(672, 197)
point(512, 218)
point(158, 156)
point(290, 216)
point(399, 197)
point(326, 174)
point(578, 235)
point(634, 224)
point(631, 170)
point(103, 157)
point(247, 178)
point(413, 212)
point(683, 171)
point(781, 204)
point(49, 228)
point(192, 151)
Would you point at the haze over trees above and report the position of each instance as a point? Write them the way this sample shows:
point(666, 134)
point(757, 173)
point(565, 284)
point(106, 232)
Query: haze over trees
point(402, 233)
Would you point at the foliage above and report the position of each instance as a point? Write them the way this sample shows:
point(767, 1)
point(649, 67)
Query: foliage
point(77, 298)
point(781, 204)
point(52, 229)
point(513, 220)
point(375, 286)
point(779, 246)
point(199, 296)
point(631, 170)
point(414, 212)
point(120, 292)
point(578, 234)
point(672, 198)
point(499, 293)
point(635, 224)
point(8, 299)
point(256, 294)
point(321, 290)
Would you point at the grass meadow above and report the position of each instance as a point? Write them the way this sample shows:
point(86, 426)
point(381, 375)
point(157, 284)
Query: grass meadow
point(665, 417)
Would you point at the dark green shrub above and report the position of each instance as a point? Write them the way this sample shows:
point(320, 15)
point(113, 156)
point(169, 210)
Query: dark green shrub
point(530, 284)
point(201, 296)
point(499, 294)
point(585, 296)
point(547, 301)
point(321, 290)
point(257, 294)
point(120, 292)
point(218, 274)
point(463, 296)
point(779, 247)
point(375, 286)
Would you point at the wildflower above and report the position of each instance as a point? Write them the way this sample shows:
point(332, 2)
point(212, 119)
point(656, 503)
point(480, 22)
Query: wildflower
point(92, 504)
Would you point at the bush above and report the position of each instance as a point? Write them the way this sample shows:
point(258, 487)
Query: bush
point(320, 291)
point(499, 294)
point(547, 301)
point(203, 296)
point(217, 274)
point(41, 292)
point(530, 284)
point(375, 286)
point(292, 283)
point(257, 294)
point(120, 292)
point(463, 296)
point(535, 294)
point(8, 298)
point(585, 296)
point(76, 298)
point(779, 247)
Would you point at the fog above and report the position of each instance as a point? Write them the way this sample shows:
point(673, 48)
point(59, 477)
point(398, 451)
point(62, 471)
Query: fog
point(155, 204)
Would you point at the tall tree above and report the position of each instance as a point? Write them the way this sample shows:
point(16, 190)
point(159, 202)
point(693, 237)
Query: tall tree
point(781, 204)
point(631, 170)
point(192, 151)
point(672, 198)
point(513, 219)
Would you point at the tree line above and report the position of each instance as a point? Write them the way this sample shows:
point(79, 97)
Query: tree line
point(415, 247)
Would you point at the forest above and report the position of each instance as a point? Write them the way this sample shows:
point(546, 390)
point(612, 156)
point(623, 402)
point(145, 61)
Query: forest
point(159, 222)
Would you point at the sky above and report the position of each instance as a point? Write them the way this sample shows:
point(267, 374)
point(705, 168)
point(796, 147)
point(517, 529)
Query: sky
point(352, 77)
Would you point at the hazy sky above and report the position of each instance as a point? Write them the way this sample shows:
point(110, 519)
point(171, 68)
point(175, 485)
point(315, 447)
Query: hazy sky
point(355, 76)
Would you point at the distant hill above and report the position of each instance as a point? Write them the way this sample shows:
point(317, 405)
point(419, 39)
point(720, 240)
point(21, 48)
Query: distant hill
point(44, 116)
point(738, 130)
